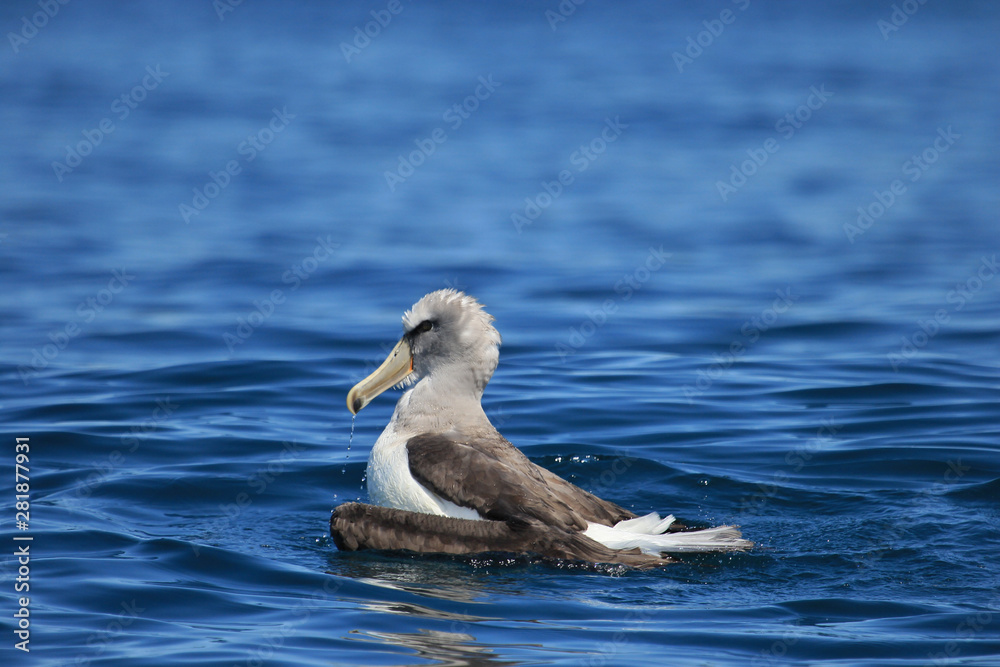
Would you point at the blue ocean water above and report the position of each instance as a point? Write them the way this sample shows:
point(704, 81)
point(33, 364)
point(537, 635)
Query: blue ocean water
point(742, 255)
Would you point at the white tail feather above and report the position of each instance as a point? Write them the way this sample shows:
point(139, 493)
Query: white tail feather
point(648, 533)
point(651, 524)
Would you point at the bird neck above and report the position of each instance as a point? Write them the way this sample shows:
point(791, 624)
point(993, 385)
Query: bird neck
point(441, 403)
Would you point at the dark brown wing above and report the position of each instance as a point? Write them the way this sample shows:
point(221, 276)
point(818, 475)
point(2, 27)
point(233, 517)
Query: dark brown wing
point(502, 484)
point(355, 527)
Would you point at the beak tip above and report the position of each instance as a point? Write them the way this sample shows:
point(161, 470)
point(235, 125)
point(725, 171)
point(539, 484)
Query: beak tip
point(393, 370)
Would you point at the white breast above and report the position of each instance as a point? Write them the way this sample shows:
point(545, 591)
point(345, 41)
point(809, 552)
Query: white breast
point(390, 483)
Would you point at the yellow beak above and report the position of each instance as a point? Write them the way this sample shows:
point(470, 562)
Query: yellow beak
point(393, 370)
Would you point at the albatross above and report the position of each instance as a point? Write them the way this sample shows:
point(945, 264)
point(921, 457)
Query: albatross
point(443, 480)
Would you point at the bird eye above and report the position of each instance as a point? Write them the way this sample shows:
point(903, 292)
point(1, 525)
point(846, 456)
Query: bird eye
point(426, 325)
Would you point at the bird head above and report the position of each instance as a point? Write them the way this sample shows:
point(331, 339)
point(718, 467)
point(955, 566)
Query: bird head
point(447, 337)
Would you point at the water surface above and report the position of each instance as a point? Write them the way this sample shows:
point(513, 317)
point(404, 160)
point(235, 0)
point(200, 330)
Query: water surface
point(765, 356)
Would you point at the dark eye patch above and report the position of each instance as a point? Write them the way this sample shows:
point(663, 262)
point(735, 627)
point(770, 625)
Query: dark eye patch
point(426, 325)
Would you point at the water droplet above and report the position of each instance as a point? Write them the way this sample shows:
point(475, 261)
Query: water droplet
point(350, 440)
